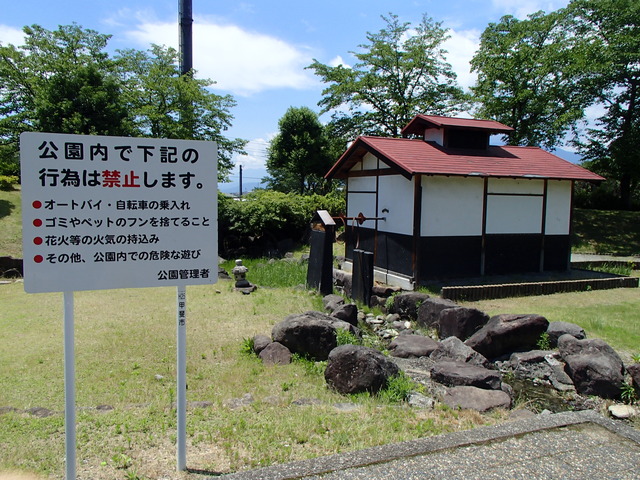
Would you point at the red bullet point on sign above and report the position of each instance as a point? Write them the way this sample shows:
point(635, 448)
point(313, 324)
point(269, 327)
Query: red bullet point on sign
point(37, 204)
point(37, 240)
point(38, 258)
point(37, 222)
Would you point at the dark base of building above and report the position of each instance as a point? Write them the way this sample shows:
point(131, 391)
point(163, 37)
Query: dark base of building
point(465, 256)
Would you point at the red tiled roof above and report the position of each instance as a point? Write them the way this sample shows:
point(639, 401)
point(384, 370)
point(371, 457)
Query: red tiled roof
point(414, 156)
point(420, 123)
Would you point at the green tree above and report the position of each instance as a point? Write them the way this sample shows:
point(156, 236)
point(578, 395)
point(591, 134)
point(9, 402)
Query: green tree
point(610, 31)
point(59, 81)
point(401, 72)
point(301, 153)
point(166, 104)
point(529, 72)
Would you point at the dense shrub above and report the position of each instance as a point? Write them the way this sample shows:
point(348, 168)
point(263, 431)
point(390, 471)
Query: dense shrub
point(8, 182)
point(263, 218)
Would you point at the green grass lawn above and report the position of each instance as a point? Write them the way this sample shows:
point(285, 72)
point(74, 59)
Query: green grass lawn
point(10, 224)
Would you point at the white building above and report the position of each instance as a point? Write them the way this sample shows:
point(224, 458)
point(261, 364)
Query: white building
point(448, 204)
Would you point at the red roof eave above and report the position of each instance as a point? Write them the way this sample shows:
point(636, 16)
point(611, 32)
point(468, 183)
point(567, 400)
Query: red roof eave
point(412, 157)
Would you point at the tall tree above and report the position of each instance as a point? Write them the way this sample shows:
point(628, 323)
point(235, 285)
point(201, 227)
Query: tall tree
point(166, 104)
point(528, 76)
point(59, 81)
point(401, 72)
point(301, 153)
point(64, 81)
point(610, 30)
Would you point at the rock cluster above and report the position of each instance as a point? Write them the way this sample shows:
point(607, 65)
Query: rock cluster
point(465, 368)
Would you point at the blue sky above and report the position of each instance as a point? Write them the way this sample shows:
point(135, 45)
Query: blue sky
point(257, 50)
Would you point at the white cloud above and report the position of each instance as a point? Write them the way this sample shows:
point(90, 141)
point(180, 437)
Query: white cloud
point(11, 35)
point(461, 48)
point(256, 154)
point(239, 61)
point(521, 8)
point(338, 61)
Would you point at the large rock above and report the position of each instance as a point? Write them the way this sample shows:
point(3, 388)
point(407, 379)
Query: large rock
point(430, 309)
point(507, 333)
point(347, 313)
point(460, 322)
point(332, 301)
point(275, 354)
point(474, 398)
point(307, 334)
point(412, 346)
point(355, 369)
point(406, 304)
point(454, 349)
point(454, 374)
point(557, 329)
point(260, 342)
point(594, 367)
point(634, 371)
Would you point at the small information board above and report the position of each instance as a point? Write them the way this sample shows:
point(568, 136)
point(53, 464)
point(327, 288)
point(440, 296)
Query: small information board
point(117, 212)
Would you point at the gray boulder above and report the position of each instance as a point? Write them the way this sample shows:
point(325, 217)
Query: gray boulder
point(307, 334)
point(454, 349)
point(332, 301)
point(634, 371)
point(474, 398)
point(430, 309)
point(275, 354)
point(355, 369)
point(455, 374)
point(347, 312)
point(406, 304)
point(412, 346)
point(460, 322)
point(594, 367)
point(260, 342)
point(557, 329)
point(507, 333)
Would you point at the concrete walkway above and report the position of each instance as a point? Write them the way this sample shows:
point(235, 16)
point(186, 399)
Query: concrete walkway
point(569, 445)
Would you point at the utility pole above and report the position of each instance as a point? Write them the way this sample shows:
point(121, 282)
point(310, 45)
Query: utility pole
point(240, 195)
point(186, 37)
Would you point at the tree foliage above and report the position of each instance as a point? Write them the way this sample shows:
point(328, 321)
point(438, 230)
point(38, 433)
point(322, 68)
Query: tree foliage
point(528, 73)
point(301, 153)
point(165, 104)
point(401, 72)
point(610, 30)
point(63, 81)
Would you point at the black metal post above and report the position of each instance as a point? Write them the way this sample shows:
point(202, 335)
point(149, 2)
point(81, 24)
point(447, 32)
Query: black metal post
point(186, 37)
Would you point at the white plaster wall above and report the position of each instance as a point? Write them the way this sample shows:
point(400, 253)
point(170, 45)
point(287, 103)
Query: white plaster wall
point(364, 203)
point(511, 185)
point(452, 206)
point(396, 195)
point(558, 219)
point(434, 135)
point(514, 214)
point(359, 184)
point(370, 162)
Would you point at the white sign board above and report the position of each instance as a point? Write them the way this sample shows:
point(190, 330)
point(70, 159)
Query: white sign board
point(117, 212)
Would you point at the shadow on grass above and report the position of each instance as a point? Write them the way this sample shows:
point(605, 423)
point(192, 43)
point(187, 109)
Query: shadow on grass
point(6, 207)
point(606, 232)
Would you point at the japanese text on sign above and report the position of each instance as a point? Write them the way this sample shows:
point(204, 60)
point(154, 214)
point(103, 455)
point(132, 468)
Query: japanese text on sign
point(117, 212)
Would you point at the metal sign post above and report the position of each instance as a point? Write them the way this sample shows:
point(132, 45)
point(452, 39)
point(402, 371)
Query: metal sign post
point(181, 386)
point(69, 387)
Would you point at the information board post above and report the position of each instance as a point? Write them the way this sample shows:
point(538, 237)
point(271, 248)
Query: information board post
point(181, 387)
point(69, 387)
